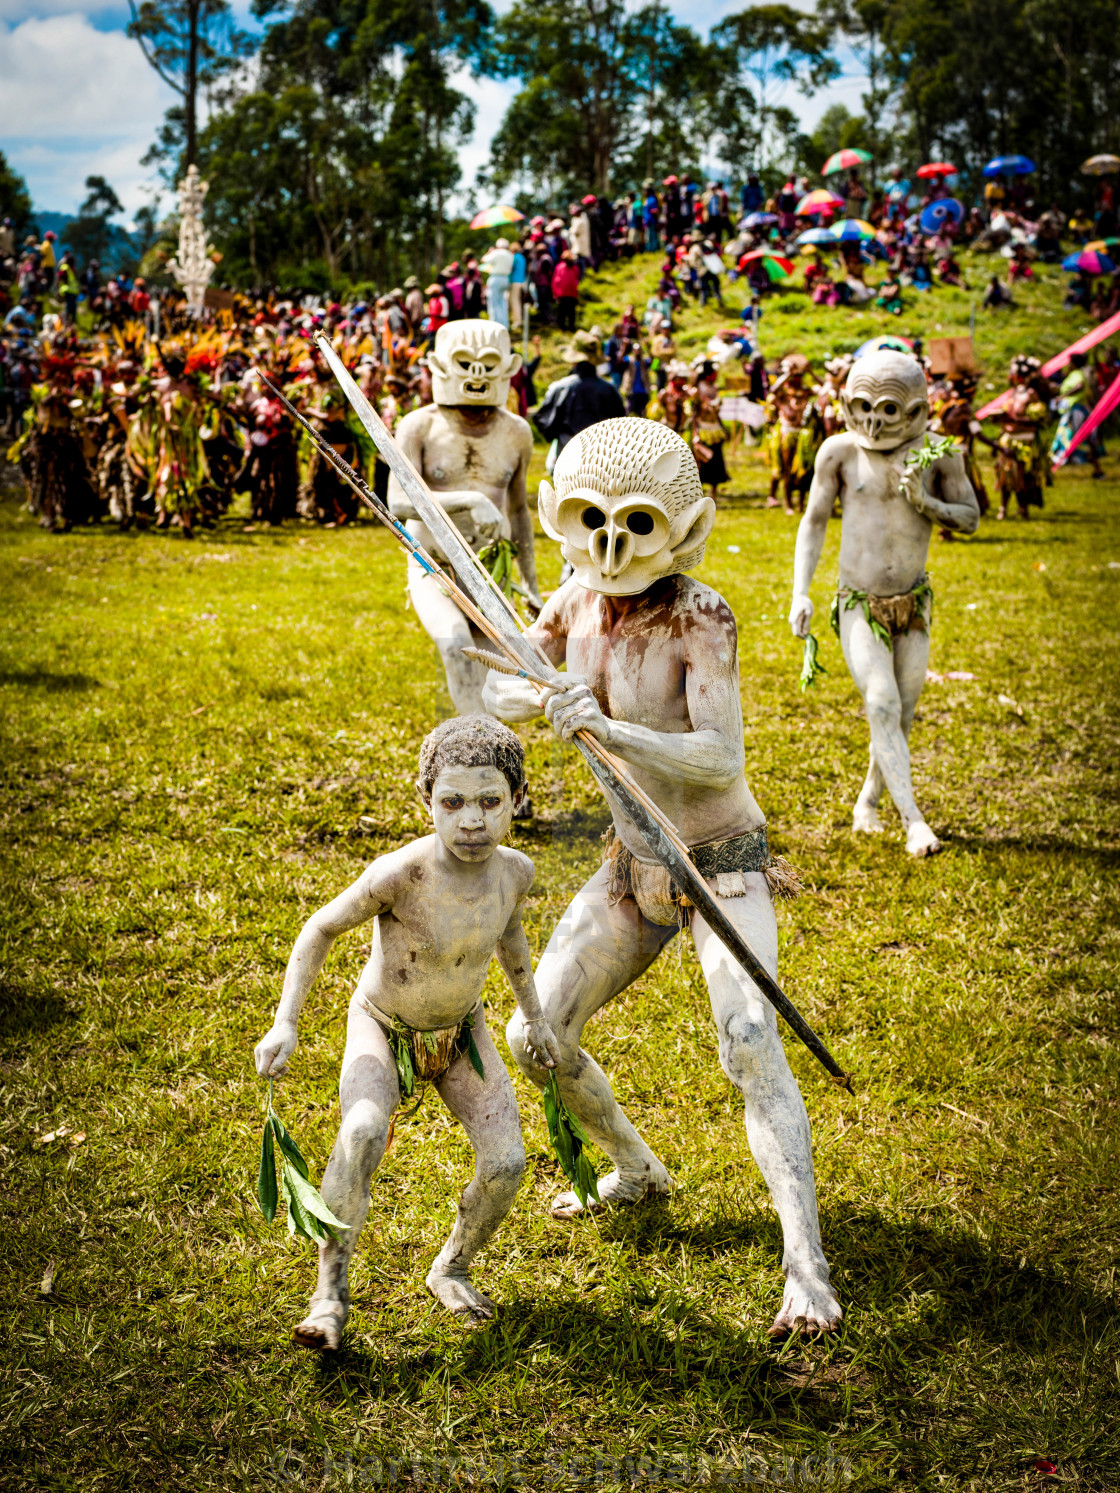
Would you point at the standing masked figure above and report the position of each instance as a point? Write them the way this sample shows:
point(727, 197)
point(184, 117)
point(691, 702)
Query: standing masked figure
point(883, 604)
point(474, 455)
point(653, 674)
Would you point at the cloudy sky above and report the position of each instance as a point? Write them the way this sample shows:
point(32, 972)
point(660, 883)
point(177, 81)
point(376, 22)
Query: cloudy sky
point(78, 98)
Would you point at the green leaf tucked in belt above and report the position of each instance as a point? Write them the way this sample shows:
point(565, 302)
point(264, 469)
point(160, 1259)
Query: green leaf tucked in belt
point(498, 557)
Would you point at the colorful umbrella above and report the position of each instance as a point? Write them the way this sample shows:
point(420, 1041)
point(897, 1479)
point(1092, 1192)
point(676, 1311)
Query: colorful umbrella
point(884, 344)
point(937, 214)
point(814, 238)
point(1102, 245)
point(844, 160)
point(759, 220)
point(1088, 262)
point(1009, 166)
point(819, 201)
point(491, 217)
point(1101, 165)
point(851, 231)
point(935, 169)
point(777, 266)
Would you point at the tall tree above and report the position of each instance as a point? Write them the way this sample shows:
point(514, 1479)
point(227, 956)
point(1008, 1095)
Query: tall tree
point(15, 199)
point(339, 161)
point(774, 45)
point(977, 78)
point(90, 233)
point(191, 44)
point(863, 23)
point(608, 96)
point(579, 109)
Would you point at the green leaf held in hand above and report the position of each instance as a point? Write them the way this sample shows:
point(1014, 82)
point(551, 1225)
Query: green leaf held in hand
point(922, 459)
point(266, 1178)
point(811, 667)
point(309, 1217)
point(568, 1140)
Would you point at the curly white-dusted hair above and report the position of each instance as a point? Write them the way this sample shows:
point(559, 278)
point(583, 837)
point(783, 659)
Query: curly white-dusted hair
point(472, 741)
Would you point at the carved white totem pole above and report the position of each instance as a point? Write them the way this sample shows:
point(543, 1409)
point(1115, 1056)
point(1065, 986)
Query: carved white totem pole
point(192, 265)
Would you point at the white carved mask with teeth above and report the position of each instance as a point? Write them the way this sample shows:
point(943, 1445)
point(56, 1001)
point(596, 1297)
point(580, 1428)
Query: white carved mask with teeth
point(628, 506)
point(885, 400)
point(471, 363)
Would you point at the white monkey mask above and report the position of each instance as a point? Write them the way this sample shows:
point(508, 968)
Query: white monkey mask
point(628, 506)
point(885, 400)
point(471, 363)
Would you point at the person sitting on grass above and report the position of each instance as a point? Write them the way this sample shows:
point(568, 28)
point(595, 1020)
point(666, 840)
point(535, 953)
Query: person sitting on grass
point(949, 271)
point(442, 907)
point(1020, 266)
point(997, 295)
point(890, 294)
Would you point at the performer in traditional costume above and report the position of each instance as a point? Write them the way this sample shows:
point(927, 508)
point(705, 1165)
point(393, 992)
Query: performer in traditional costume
point(324, 495)
point(707, 430)
point(951, 413)
point(121, 484)
point(271, 472)
point(1076, 397)
point(826, 401)
point(671, 404)
point(50, 449)
point(165, 439)
point(789, 442)
point(1022, 463)
point(653, 675)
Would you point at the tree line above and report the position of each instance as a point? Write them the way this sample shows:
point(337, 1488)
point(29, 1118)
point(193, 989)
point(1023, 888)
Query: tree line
point(330, 138)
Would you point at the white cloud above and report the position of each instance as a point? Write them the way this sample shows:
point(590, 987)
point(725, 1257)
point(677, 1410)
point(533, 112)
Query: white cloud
point(491, 98)
point(76, 101)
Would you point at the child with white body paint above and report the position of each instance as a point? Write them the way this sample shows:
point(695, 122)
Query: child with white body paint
point(442, 907)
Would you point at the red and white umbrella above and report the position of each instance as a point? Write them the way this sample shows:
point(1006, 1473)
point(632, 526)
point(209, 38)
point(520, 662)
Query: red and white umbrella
point(933, 169)
point(845, 160)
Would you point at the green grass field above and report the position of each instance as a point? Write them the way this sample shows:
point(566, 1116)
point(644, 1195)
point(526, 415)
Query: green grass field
point(203, 743)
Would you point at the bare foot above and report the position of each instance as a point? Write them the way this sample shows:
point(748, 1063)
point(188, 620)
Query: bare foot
point(615, 1191)
point(322, 1328)
point(809, 1305)
point(921, 840)
point(865, 819)
point(461, 1299)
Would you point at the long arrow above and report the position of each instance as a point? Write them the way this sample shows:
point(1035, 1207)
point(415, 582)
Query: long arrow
point(503, 627)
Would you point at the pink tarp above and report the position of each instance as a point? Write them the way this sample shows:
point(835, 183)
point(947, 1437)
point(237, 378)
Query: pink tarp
point(1082, 345)
point(1101, 411)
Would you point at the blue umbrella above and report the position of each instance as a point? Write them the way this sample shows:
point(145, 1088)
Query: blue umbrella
point(760, 220)
point(937, 214)
point(816, 237)
point(1009, 166)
